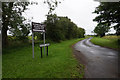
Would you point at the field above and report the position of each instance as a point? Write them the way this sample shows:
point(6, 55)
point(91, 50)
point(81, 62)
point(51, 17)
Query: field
point(107, 41)
point(60, 63)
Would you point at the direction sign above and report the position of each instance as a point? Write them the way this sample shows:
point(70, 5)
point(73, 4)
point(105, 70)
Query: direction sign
point(38, 27)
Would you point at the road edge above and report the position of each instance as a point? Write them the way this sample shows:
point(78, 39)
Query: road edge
point(80, 60)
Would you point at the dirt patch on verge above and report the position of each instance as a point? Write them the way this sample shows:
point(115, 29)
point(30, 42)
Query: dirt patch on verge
point(80, 57)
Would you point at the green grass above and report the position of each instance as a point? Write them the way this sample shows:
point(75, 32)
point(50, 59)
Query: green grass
point(60, 63)
point(111, 37)
point(106, 41)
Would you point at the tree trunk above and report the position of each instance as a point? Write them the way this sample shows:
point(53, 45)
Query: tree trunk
point(118, 31)
point(102, 35)
point(4, 36)
point(6, 8)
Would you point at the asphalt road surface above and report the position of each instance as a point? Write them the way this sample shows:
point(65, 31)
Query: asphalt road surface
point(99, 62)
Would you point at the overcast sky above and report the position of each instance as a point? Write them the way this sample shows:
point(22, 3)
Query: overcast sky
point(79, 11)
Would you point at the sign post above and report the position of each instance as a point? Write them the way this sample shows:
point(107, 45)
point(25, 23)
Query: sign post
point(38, 27)
point(33, 43)
point(44, 42)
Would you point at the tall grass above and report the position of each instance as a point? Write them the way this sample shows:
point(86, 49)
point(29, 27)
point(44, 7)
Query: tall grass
point(107, 41)
point(111, 37)
point(60, 63)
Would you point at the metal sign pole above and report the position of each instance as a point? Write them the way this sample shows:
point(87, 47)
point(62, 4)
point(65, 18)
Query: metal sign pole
point(38, 27)
point(33, 43)
point(44, 42)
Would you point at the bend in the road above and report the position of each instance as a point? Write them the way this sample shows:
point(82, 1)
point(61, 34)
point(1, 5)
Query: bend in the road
point(101, 62)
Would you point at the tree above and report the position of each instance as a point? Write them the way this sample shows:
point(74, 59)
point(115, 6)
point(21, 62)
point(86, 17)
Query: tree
point(64, 23)
point(81, 32)
point(52, 4)
point(61, 28)
point(101, 29)
point(53, 29)
point(109, 12)
point(13, 20)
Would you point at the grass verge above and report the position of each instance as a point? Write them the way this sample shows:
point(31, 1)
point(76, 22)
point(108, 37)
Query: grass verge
point(106, 42)
point(60, 63)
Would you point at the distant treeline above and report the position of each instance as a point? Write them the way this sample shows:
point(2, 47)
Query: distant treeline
point(57, 29)
point(61, 28)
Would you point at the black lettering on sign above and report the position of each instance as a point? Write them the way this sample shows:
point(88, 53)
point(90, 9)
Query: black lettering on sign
point(38, 26)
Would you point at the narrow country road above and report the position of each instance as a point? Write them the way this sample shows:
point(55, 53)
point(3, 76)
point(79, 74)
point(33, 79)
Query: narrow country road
point(99, 62)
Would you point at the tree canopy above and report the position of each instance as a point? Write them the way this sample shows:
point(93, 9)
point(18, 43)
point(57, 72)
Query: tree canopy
point(61, 28)
point(101, 29)
point(58, 28)
point(109, 12)
point(13, 20)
